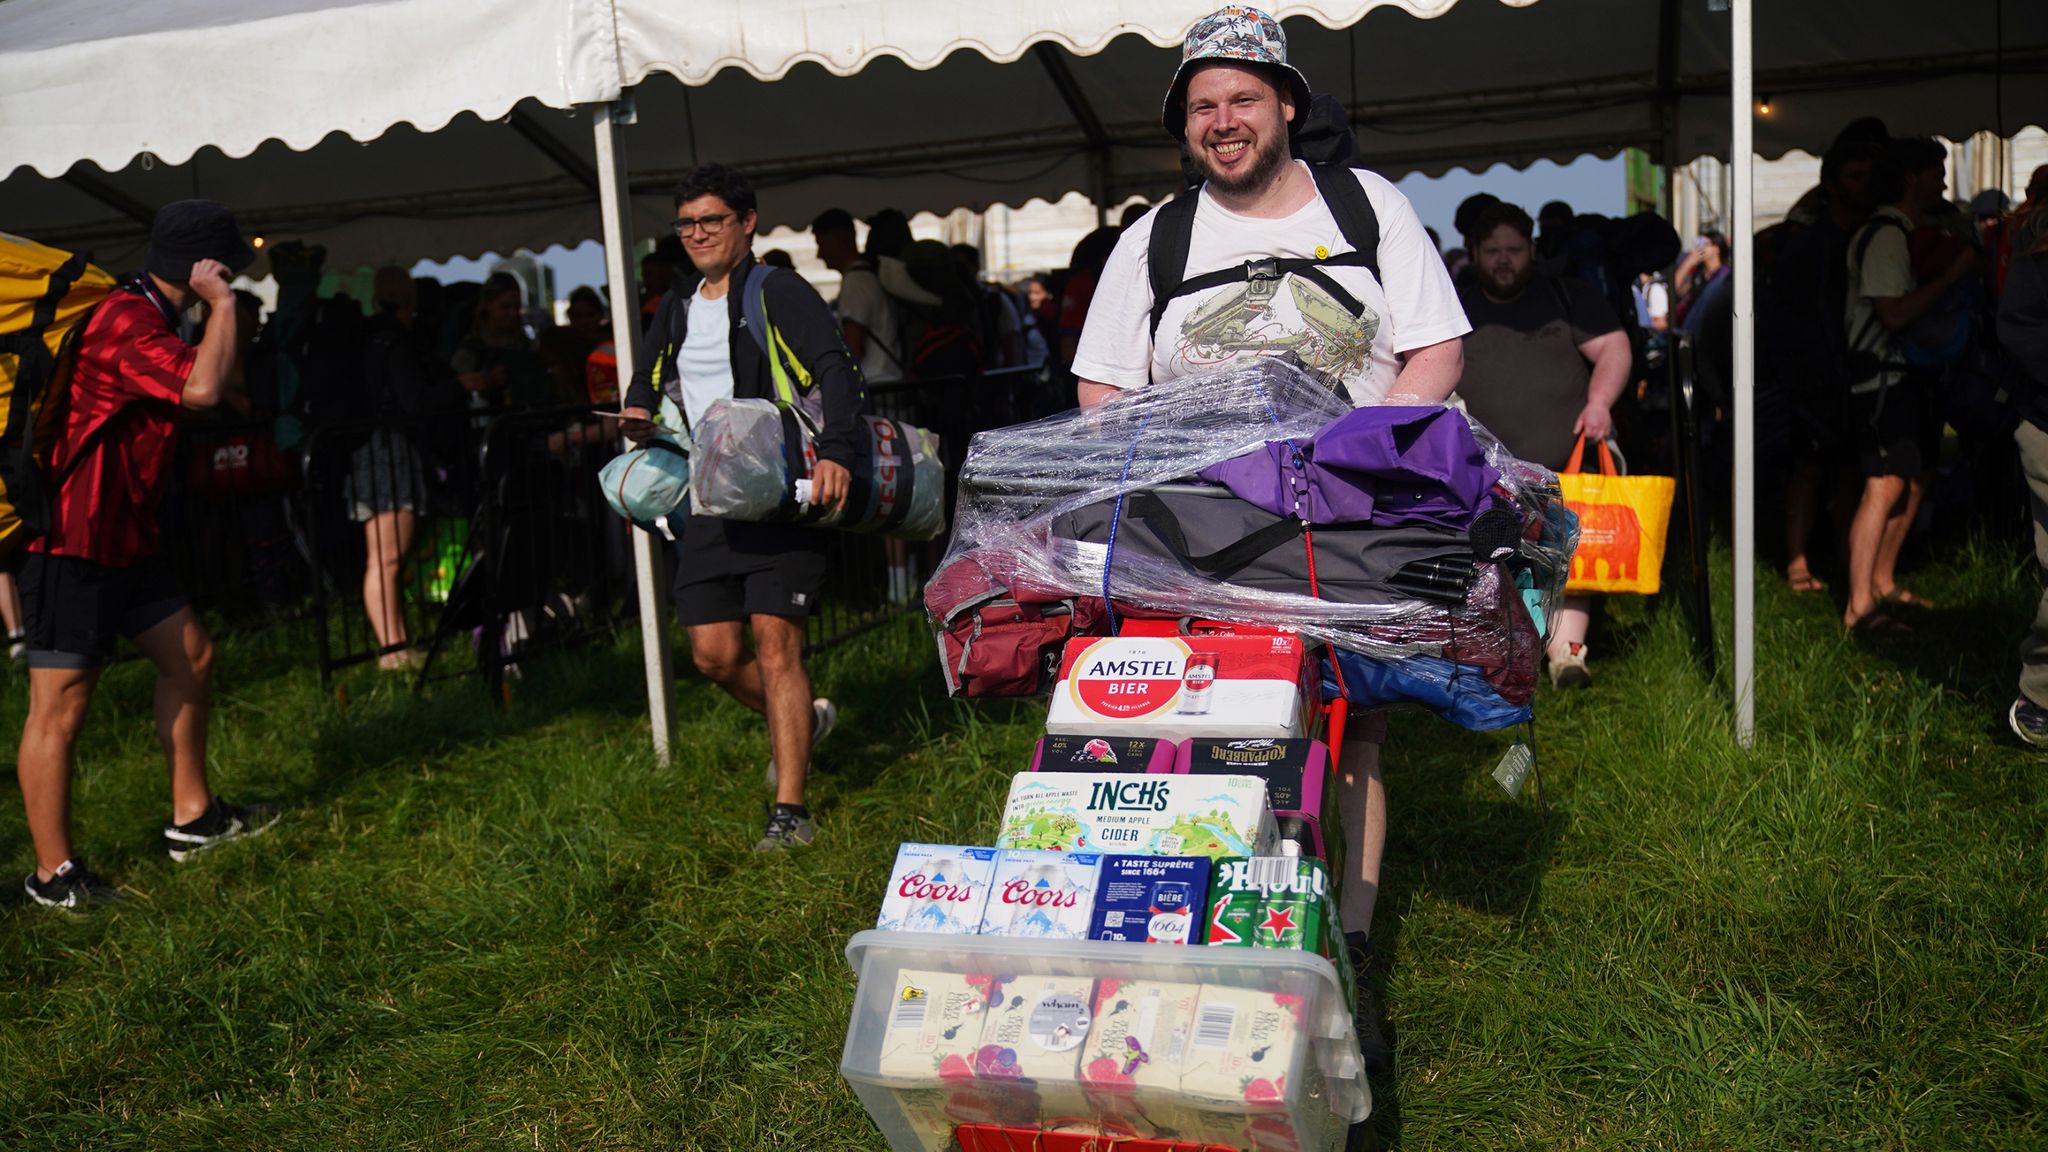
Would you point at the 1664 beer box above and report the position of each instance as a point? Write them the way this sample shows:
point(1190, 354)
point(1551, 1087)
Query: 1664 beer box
point(1061, 752)
point(1041, 894)
point(937, 888)
point(1298, 779)
point(1138, 814)
point(1242, 684)
point(1151, 899)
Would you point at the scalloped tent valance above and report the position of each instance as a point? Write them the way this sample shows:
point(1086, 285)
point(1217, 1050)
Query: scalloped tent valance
point(393, 129)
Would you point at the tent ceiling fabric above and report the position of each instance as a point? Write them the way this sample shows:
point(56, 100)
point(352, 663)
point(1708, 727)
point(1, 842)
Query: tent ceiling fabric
point(917, 104)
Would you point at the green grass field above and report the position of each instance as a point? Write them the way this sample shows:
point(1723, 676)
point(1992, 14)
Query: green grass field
point(486, 929)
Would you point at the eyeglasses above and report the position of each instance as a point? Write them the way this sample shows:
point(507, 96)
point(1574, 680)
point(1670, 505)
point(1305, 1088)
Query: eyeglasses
point(712, 225)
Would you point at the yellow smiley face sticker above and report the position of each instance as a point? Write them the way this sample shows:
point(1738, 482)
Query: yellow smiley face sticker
point(1322, 252)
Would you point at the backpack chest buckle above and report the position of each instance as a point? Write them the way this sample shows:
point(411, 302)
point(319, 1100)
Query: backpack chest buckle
point(1267, 269)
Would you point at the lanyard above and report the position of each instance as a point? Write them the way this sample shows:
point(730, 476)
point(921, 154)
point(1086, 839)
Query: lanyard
point(142, 284)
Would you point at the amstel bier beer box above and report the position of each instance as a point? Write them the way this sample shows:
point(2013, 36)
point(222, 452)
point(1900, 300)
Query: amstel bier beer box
point(1146, 815)
point(1060, 752)
point(1297, 773)
point(1253, 684)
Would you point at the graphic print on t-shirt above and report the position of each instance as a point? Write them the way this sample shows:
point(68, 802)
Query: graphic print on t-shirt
point(1253, 318)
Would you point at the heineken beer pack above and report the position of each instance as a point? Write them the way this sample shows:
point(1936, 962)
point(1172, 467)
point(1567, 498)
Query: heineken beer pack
point(1273, 902)
point(1297, 774)
point(1149, 815)
point(1177, 687)
point(1060, 752)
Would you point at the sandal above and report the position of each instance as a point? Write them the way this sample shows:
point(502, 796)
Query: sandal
point(1877, 623)
point(1905, 599)
point(1805, 582)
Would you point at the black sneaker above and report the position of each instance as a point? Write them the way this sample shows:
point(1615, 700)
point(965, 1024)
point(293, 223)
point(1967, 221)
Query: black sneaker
point(2029, 722)
point(220, 823)
point(1365, 1017)
point(74, 887)
point(789, 825)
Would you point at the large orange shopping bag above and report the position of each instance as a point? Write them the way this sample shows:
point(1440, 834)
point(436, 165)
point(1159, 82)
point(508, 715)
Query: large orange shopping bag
point(1622, 522)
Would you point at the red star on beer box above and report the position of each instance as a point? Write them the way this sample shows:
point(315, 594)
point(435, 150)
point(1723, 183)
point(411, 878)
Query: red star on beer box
point(1278, 920)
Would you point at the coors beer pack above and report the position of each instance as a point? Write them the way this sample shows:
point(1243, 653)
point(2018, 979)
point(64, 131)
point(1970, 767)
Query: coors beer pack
point(1149, 815)
point(1245, 684)
point(1041, 895)
point(937, 888)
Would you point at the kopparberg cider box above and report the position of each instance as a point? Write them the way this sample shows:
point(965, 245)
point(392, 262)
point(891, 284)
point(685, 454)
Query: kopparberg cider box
point(1145, 815)
point(1249, 684)
point(1041, 895)
point(1297, 773)
point(937, 888)
point(934, 1026)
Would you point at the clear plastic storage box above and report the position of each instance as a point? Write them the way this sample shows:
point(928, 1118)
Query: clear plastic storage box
point(1239, 1047)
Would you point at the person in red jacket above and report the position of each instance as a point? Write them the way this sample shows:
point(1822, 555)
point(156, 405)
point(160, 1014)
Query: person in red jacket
point(99, 573)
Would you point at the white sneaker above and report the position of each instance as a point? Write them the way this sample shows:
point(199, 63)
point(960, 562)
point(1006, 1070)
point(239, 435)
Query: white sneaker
point(1569, 670)
point(824, 714)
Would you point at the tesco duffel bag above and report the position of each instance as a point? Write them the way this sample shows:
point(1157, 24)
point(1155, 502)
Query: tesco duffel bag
point(753, 461)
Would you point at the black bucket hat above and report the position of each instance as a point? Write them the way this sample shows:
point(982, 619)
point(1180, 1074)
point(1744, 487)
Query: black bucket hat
point(188, 231)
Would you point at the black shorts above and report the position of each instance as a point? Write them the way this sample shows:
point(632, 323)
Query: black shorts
point(730, 570)
point(76, 610)
point(1891, 428)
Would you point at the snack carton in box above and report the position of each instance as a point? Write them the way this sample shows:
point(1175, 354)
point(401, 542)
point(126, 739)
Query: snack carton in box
point(1297, 774)
point(1060, 752)
point(1031, 1040)
point(1245, 684)
point(934, 1026)
point(1138, 814)
point(1241, 1049)
point(1131, 1066)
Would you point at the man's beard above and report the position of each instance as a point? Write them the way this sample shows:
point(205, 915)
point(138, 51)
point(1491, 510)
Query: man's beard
point(1514, 287)
point(1267, 157)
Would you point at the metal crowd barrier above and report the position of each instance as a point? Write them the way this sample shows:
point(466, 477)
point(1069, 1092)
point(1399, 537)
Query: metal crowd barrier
point(512, 551)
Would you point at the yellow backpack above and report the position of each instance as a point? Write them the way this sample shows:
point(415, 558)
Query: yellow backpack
point(46, 298)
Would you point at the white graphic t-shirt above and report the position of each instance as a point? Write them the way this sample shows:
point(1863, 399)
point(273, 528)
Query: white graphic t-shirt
point(1416, 307)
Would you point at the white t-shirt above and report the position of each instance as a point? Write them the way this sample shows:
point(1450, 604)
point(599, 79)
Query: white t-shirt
point(862, 300)
point(1416, 307)
point(704, 366)
point(1886, 272)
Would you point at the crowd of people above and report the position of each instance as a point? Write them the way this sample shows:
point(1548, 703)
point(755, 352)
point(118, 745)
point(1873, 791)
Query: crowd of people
point(1879, 327)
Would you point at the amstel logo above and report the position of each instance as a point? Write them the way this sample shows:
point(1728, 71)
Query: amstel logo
point(1124, 679)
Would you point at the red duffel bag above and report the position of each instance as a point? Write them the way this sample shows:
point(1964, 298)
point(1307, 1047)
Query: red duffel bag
point(995, 640)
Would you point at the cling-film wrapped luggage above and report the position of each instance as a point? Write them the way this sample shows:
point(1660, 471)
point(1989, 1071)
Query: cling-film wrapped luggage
point(753, 461)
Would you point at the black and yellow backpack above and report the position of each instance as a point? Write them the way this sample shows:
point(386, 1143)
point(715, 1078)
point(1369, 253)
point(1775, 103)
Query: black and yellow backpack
point(46, 298)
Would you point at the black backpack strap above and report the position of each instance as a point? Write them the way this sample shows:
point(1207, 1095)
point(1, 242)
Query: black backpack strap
point(1173, 230)
point(1352, 208)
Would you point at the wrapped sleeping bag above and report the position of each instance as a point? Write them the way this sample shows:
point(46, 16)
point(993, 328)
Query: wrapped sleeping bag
point(753, 461)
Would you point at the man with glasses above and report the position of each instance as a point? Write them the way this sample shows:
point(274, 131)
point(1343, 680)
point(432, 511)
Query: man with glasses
point(729, 573)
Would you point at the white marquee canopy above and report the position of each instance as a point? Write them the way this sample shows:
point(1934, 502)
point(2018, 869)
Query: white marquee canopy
point(395, 129)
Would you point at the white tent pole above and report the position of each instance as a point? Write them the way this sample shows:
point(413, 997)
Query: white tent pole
point(1742, 154)
point(649, 572)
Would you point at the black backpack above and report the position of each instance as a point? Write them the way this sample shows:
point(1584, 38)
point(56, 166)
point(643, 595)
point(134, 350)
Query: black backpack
point(1325, 141)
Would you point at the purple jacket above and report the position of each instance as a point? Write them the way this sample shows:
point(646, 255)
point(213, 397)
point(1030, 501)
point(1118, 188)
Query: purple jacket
point(1382, 465)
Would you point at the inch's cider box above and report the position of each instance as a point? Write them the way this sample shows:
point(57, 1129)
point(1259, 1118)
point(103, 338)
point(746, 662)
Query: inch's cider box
point(1151, 899)
point(1147, 815)
point(1297, 774)
point(1241, 685)
point(937, 888)
point(1042, 895)
point(1061, 752)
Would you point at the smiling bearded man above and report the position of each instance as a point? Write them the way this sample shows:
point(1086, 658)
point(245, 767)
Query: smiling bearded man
point(1261, 261)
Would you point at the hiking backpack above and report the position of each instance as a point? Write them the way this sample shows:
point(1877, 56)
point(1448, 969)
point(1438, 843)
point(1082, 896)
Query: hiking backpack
point(1941, 336)
point(46, 299)
point(1326, 143)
